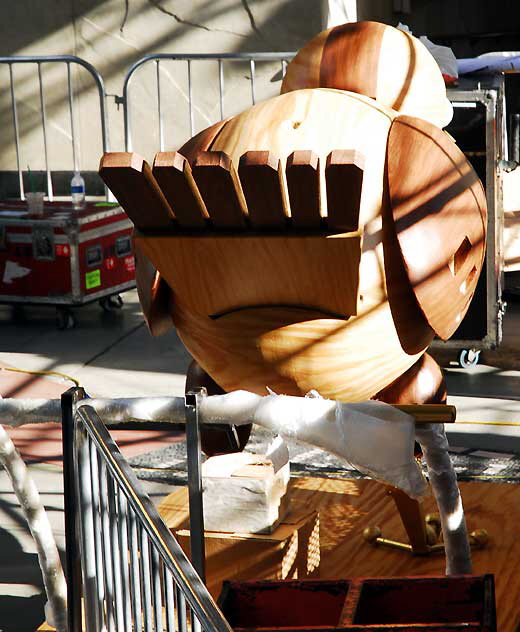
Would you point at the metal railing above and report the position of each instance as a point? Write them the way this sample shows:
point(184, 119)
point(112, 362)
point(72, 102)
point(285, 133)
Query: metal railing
point(135, 576)
point(220, 60)
point(39, 60)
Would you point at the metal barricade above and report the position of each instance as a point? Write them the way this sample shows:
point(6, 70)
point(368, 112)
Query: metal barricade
point(38, 61)
point(134, 574)
point(220, 59)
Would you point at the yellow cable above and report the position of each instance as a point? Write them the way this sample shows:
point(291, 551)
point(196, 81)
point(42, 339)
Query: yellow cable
point(488, 423)
point(56, 373)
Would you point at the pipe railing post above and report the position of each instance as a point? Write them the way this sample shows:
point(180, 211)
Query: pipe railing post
point(197, 547)
point(72, 554)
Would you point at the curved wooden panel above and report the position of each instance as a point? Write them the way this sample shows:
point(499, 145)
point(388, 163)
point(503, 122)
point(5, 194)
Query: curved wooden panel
point(293, 351)
point(154, 294)
point(321, 120)
point(377, 60)
point(439, 213)
point(202, 141)
point(423, 383)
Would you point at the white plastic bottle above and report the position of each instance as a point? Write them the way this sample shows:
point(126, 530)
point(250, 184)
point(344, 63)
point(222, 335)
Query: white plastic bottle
point(77, 190)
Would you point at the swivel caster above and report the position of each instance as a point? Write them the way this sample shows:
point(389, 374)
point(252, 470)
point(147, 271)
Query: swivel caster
point(111, 303)
point(65, 318)
point(468, 358)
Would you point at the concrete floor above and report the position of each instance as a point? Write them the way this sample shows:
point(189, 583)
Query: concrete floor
point(113, 355)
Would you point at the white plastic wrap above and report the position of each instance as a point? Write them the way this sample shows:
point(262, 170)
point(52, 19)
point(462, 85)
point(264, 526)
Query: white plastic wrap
point(376, 438)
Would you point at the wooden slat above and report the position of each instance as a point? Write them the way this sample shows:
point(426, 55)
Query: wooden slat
point(218, 183)
point(130, 179)
point(260, 177)
point(302, 172)
point(344, 180)
point(173, 174)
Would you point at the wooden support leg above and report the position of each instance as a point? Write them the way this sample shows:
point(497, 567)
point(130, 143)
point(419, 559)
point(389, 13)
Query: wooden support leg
point(423, 383)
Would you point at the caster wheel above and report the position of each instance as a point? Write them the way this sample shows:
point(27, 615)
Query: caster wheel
point(65, 319)
point(468, 358)
point(111, 303)
point(18, 313)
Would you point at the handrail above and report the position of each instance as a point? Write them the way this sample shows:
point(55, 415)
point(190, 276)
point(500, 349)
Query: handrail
point(170, 553)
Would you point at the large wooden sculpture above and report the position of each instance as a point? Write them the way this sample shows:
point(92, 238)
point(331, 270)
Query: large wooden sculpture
point(322, 238)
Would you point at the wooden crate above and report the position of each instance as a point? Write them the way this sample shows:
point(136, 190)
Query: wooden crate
point(291, 551)
point(435, 604)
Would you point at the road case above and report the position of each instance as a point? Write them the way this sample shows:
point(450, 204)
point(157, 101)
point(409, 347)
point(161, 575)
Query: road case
point(480, 130)
point(65, 257)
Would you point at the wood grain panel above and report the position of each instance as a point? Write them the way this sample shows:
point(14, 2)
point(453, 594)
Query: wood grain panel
point(314, 271)
point(261, 179)
point(344, 178)
point(321, 120)
point(376, 60)
point(359, 45)
point(294, 350)
point(130, 179)
point(439, 212)
point(218, 183)
point(173, 174)
point(303, 184)
point(346, 507)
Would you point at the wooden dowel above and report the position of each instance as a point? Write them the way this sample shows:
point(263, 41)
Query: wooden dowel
point(429, 413)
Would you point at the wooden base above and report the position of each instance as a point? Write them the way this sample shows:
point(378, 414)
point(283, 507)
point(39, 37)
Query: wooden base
point(347, 507)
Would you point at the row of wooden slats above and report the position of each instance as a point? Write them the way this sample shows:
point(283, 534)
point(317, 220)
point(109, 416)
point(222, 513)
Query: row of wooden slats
point(212, 194)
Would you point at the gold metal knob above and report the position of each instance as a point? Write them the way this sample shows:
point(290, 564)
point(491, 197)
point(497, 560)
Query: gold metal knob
point(371, 534)
point(479, 538)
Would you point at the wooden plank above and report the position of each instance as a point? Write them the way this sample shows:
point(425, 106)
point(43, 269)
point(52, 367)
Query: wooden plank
point(327, 269)
point(130, 179)
point(220, 189)
point(173, 174)
point(344, 181)
point(303, 184)
point(261, 179)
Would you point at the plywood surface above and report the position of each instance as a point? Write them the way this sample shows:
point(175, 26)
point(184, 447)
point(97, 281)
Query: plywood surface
point(346, 507)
